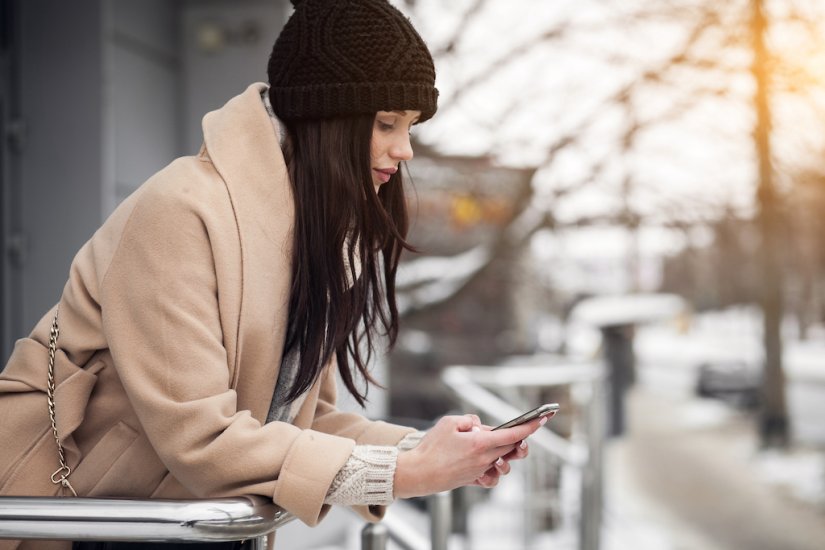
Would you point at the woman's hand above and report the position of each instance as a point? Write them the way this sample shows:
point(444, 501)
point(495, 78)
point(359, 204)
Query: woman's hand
point(459, 451)
point(501, 467)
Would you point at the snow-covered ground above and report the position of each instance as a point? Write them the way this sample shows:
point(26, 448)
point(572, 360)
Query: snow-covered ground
point(800, 472)
point(668, 355)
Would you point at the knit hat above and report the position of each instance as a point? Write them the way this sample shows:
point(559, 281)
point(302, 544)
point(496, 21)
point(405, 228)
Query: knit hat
point(345, 57)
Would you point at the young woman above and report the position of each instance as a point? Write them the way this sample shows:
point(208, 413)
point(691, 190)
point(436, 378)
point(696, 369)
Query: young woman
point(197, 341)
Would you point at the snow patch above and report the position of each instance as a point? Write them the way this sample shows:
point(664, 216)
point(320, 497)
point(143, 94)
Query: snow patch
point(802, 473)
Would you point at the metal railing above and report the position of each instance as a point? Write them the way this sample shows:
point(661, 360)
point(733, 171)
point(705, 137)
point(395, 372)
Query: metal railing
point(503, 392)
point(222, 520)
point(101, 519)
point(374, 536)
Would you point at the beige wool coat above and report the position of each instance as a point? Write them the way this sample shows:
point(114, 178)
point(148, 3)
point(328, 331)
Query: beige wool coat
point(172, 324)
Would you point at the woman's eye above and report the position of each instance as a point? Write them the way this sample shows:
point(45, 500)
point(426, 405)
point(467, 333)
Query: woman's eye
point(385, 126)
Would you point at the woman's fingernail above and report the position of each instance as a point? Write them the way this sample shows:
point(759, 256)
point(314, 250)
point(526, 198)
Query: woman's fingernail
point(543, 421)
point(523, 445)
point(476, 429)
point(500, 462)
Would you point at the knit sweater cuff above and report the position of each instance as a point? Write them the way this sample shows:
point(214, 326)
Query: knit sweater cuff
point(366, 478)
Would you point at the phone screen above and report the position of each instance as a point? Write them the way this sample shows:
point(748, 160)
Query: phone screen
point(543, 410)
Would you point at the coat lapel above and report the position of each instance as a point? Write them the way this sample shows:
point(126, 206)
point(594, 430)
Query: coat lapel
point(244, 149)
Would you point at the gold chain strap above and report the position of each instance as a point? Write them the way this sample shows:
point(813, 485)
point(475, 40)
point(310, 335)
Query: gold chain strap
point(61, 475)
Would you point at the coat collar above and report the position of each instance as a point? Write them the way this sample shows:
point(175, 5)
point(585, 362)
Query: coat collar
point(245, 151)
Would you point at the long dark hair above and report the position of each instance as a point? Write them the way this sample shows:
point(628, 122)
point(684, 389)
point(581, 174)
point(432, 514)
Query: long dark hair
point(348, 241)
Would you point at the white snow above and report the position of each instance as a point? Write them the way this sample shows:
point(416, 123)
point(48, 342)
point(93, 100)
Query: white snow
point(801, 472)
point(433, 279)
point(627, 309)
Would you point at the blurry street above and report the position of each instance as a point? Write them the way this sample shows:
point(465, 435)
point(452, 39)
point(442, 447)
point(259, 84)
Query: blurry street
point(689, 474)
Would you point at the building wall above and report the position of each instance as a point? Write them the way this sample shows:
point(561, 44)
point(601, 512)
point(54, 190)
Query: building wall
point(58, 161)
point(142, 91)
point(9, 275)
point(106, 93)
point(225, 48)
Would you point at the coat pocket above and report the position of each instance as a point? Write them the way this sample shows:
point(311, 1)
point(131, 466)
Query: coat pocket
point(29, 454)
point(101, 459)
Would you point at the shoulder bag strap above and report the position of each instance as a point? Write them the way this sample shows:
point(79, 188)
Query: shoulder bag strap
point(61, 475)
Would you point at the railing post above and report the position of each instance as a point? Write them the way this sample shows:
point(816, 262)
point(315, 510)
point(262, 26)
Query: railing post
point(592, 472)
point(374, 536)
point(440, 508)
point(258, 543)
point(585, 454)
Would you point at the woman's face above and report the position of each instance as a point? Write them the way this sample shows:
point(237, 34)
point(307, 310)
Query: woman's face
point(390, 143)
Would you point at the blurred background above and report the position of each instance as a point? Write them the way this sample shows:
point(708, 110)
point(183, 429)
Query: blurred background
point(620, 206)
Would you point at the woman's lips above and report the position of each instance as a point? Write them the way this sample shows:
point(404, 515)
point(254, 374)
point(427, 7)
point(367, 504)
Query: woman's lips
point(384, 174)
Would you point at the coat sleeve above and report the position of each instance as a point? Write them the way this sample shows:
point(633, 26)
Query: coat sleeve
point(329, 419)
point(159, 303)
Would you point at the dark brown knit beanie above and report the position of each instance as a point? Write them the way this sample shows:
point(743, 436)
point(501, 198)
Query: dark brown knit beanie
point(345, 57)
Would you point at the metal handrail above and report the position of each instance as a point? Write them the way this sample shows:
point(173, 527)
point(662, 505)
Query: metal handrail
point(374, 536)
point(221, 520)
point(471, 386)
point(155, 520)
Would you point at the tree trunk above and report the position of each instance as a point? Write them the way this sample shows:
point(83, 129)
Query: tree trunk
point(773, 418)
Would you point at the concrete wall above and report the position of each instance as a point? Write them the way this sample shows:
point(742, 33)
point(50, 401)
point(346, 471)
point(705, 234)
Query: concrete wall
point(96, 90)
point(9, 274)
point(142, 86)
point(61, 158)
point(225, 47)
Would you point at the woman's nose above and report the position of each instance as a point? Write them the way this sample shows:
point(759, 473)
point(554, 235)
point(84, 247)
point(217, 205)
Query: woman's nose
point(402, 149)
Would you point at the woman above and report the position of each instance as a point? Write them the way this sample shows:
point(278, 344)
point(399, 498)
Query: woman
point(203, 324)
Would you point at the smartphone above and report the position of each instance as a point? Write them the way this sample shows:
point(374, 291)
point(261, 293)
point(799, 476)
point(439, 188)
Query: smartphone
point(548, 409)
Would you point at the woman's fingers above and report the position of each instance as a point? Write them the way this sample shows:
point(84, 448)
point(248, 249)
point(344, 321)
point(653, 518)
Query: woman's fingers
point(468, 422)
point(521, 451)
point(502, 466)
point(489, 445)
point(489, 478)
point(460, 450)
point(492, 444)
point(487, 481)
point(516, 434)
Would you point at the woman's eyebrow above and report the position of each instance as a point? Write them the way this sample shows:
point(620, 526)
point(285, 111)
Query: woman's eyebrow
point(404, 113)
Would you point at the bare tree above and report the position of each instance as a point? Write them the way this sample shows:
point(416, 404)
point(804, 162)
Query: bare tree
point(723, 46)
point(773, 422)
